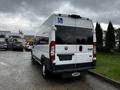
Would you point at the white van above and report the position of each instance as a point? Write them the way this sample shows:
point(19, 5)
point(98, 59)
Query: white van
point(65, 44)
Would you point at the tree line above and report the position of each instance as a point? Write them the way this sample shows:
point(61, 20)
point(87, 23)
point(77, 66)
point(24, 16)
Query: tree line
point(111, 37)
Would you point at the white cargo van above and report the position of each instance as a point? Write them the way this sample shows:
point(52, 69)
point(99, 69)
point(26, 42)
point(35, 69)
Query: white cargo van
point(65, 44)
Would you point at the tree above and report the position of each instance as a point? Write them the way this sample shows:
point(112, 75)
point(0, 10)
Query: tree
point(118, 38)
point(110, 38)
point(99, 37)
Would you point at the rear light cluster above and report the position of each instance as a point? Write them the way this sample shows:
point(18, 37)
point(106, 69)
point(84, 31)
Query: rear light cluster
point(52, 50)
point(94, 51)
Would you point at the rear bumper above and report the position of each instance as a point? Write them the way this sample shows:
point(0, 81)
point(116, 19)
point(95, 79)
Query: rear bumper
point(73, 67)
point(58, 69)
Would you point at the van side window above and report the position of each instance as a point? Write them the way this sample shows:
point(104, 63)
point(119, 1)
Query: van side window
point(42, 40)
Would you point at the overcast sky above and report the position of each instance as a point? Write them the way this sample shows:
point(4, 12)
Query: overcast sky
point(27, 15)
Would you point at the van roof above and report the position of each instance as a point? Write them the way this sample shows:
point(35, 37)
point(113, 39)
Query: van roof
point(53, 20)
point(76, 16)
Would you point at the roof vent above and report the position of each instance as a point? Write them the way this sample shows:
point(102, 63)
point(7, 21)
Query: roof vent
point(74, 16)
point(59, 14)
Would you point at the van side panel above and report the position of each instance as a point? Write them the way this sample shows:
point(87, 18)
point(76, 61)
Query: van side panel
point(45, 30)
point(41, 50)
point(46, 27)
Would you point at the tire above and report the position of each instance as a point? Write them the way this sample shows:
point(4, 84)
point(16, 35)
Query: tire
point(45, 72)
point(32, 59)
point(21, 50)
point(5, 49)
point(26, 49)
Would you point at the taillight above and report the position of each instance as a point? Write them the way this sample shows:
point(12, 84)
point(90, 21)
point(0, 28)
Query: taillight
point(52, 50)
point(94, 51)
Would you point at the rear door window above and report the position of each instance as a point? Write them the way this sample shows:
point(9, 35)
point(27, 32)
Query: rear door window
point(74, 35)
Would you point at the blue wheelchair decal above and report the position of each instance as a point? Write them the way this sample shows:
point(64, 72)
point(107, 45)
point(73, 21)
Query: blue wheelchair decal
point(60, 20)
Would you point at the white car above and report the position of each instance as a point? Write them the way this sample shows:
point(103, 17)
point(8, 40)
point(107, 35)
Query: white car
point(65, 44)
point(28, 47)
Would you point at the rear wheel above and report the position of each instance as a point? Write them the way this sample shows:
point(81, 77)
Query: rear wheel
point(45, 72)
point(22, 49)
point(32, 59)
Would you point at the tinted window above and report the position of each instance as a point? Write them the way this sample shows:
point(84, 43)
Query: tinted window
point(41, 40)
point(15, 36)
point(73, 35)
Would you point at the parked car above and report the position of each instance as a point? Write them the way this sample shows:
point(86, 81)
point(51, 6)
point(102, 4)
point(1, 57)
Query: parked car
point(3, 43)
point(65, 44)
point(17, 46)
point(16, 42)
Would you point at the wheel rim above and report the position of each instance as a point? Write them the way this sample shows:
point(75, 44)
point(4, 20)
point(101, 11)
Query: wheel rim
point(43, 70)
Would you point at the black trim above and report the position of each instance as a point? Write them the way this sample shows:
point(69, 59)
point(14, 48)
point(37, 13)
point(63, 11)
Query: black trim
point(64, 57)
point(37, 59)
point(73, 67)
point(64, 54)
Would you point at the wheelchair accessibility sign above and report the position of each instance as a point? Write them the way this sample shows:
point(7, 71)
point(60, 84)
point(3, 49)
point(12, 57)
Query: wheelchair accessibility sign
point(60, 20)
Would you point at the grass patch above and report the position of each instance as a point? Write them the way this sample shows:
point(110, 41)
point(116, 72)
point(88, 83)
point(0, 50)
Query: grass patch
point(108, 64)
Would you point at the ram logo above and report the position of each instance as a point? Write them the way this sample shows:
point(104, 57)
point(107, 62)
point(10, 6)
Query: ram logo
point(66, 48)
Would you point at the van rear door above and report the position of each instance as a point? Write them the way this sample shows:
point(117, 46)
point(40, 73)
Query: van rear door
point(84, 50)
point(65, 49)
point(73, 45)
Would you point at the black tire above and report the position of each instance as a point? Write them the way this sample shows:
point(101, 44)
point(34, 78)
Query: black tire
point(45, 72)
point(21, 50)
point(26, 49)
point(5, 49)
point(32, 59)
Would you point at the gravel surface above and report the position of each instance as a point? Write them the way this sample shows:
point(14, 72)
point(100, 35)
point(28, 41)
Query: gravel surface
point(18, 73)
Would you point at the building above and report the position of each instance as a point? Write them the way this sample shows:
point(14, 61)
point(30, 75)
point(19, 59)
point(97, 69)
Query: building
point(116, 39)
point(5, 33)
